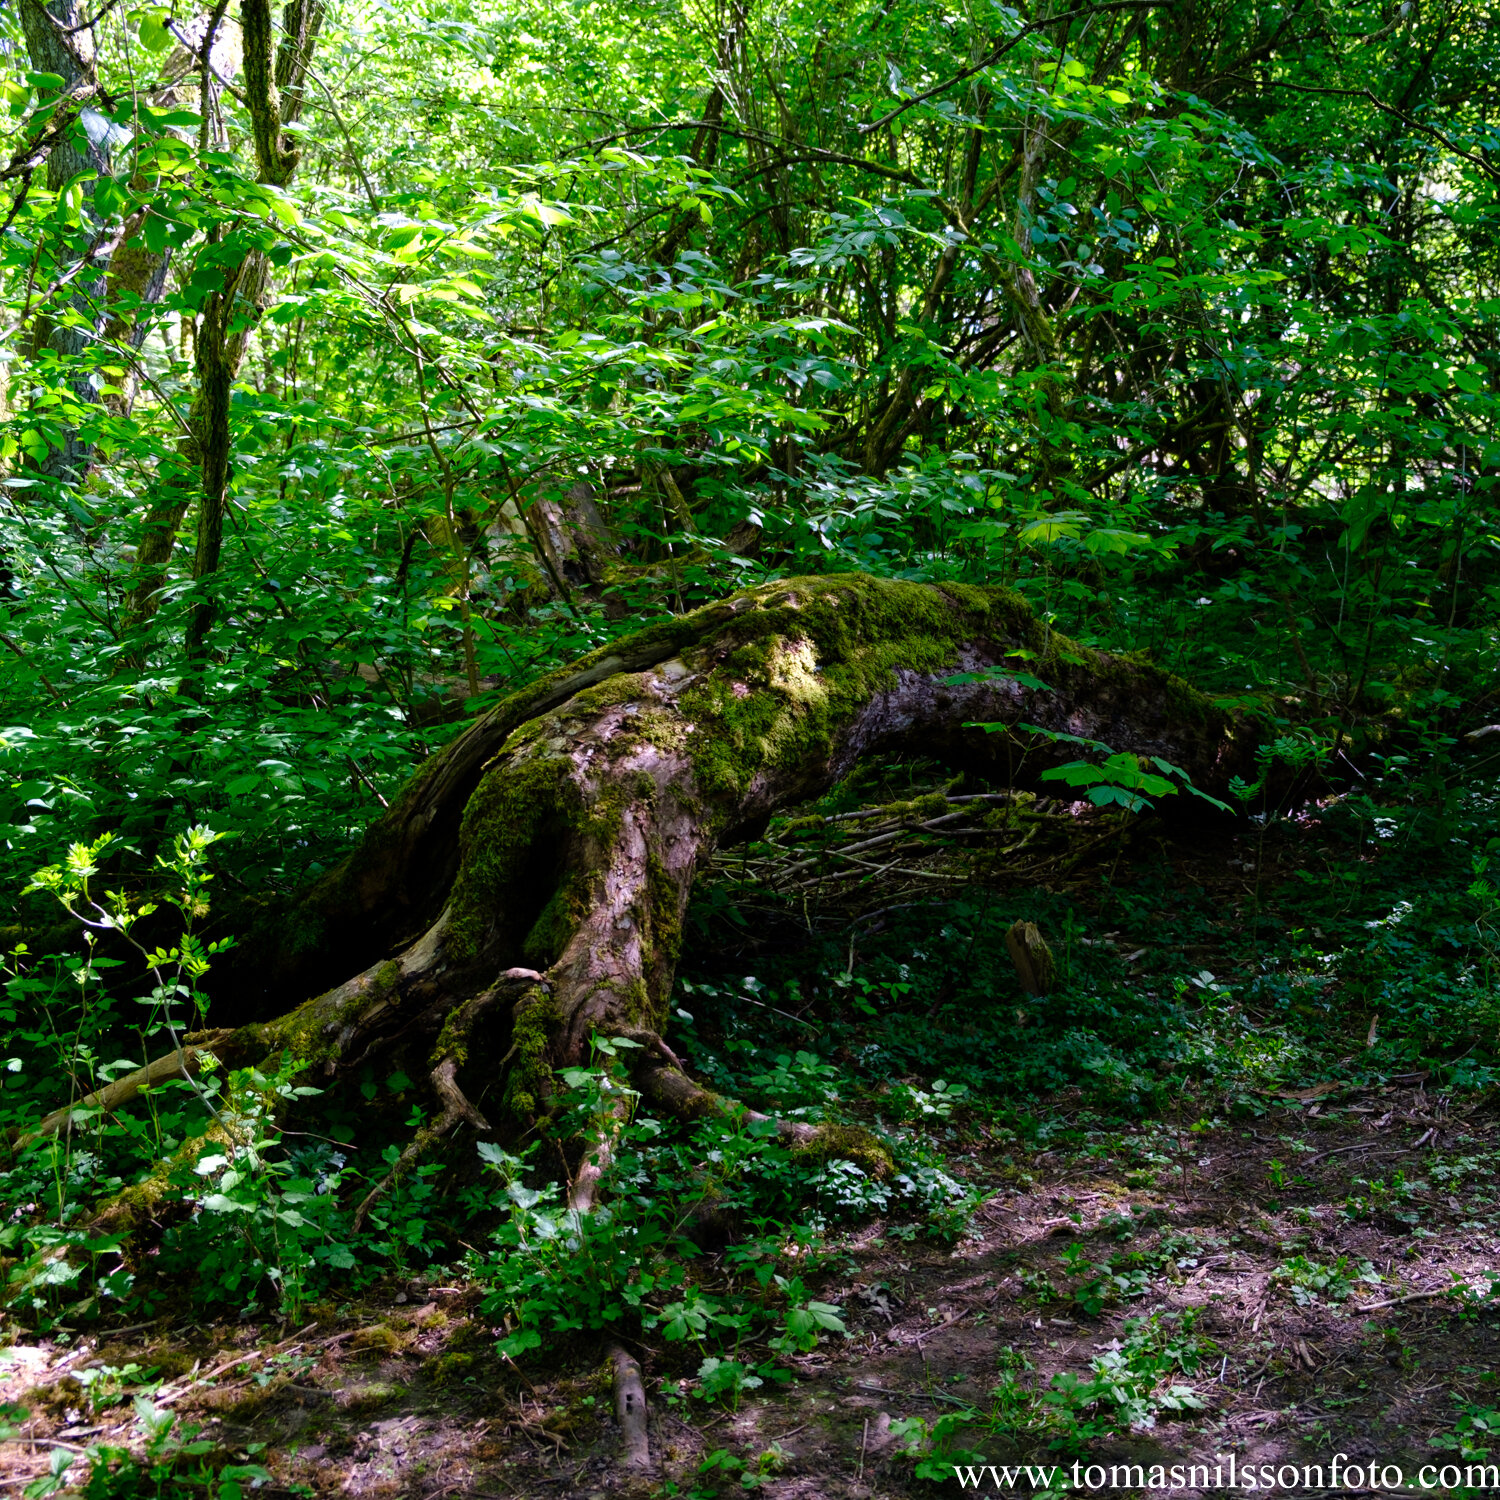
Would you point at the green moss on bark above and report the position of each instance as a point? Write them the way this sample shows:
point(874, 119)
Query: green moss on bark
point(310, 1033)
point(528, 1080)
point(551, 931)
point(792, 674)
point(666, 925)
point(848, 1143)
point(518, 802)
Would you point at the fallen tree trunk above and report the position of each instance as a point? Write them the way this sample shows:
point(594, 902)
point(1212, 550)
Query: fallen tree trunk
point(748, 705)
point(560, 835)
point(532, 880)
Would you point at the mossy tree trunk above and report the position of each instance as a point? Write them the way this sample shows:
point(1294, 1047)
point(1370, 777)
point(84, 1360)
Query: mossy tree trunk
point(545, 860)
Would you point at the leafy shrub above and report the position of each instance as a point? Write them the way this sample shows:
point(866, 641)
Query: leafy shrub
point(556, 1270)
point(1130, 1385)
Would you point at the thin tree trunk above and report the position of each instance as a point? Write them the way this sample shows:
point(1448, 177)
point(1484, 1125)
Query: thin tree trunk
point(274, 81)
point(275, 77)
point(57, 42)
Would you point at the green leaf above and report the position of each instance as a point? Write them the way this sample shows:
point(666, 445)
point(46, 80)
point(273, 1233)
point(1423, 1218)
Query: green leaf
point(399, 239)
point(153, 32)
point(518, 1343)
point(999, 674)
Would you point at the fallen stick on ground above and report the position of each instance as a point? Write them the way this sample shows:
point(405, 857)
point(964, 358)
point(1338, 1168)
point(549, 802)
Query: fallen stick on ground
point(1441, 1291)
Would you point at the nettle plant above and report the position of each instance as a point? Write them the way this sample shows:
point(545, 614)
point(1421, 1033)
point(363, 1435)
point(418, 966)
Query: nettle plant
point(62, 1021)
point(260, 1220)
point(175, 1000)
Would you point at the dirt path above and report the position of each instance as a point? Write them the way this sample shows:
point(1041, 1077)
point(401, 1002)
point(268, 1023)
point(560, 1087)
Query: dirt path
point(1294, 1293)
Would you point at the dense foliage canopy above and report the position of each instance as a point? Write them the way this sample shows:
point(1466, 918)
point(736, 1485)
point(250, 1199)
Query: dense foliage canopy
point(1161, 314)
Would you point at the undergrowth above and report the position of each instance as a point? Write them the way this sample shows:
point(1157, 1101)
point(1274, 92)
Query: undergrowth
point(1174, 1012)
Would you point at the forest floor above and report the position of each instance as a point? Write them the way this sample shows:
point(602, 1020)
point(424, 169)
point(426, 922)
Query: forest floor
point(1298, 1359)
point(1273, 1271)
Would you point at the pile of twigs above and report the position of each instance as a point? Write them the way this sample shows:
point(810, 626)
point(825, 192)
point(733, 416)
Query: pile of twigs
point(852, 866)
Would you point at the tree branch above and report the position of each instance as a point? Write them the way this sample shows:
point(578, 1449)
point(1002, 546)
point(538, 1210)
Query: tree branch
point(1000, 49)
point(1488, 168)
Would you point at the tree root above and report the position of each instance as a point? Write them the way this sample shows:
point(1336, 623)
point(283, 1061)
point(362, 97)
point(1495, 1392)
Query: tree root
point(672, 1091)
point(456, 1108)
point(448, 1055)
point(660, 1078)
point(182, 1063)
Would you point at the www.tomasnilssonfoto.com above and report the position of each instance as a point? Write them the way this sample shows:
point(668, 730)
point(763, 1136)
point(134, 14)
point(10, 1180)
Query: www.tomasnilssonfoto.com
point(1227, 1473)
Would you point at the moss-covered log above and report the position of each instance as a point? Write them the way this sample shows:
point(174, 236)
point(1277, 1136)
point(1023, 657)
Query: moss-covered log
point(560, 835)
point(528, 888)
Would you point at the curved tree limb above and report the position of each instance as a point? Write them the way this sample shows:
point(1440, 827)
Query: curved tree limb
point(181, 1063)
point(888, 644)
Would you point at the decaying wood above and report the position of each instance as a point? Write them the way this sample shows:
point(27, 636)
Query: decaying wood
point(185, 1062)
point(394, 885)
point(630, 1407)
point(555, 843)
point(1032, 957)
